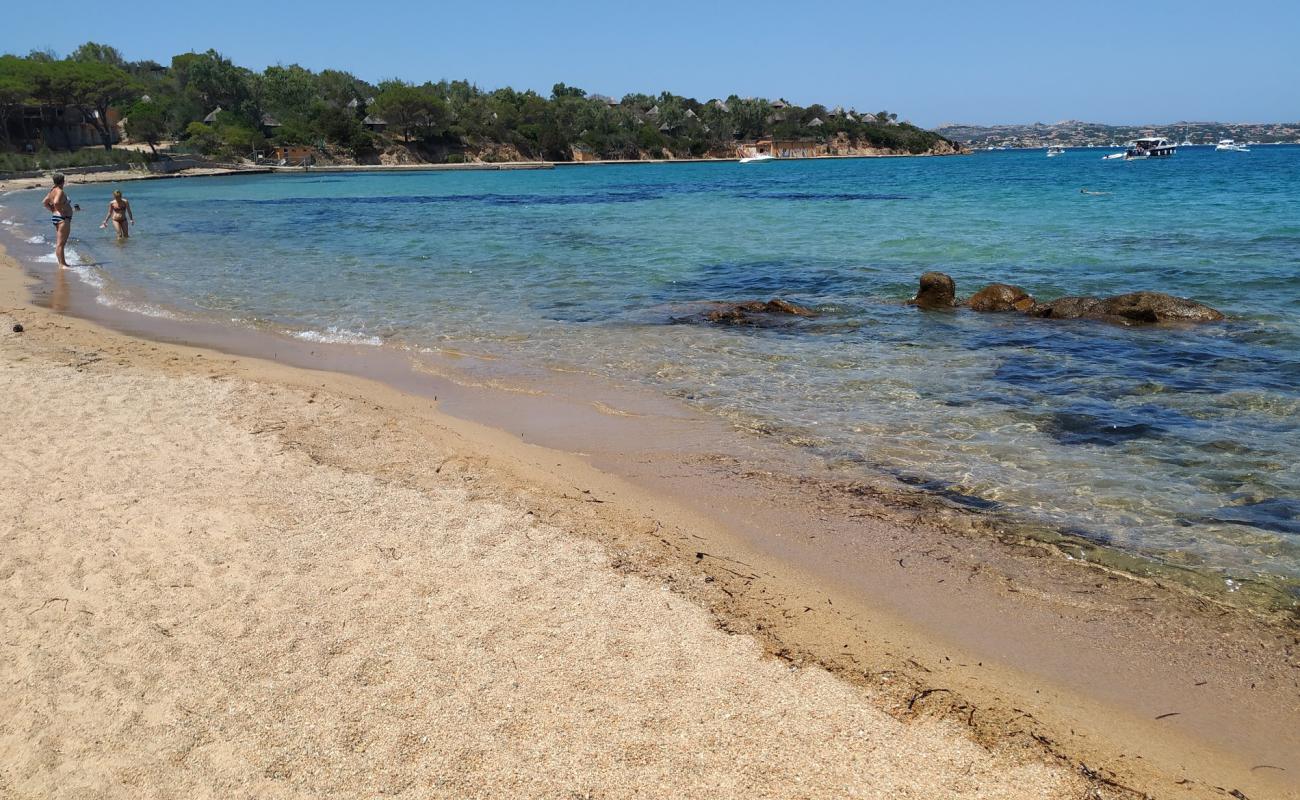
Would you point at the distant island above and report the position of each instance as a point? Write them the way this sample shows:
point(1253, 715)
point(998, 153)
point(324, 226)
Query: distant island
point(204, 104)
point(1073, 133)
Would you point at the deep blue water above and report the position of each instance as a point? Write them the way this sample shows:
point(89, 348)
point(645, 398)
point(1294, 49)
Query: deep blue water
point(1177, 443)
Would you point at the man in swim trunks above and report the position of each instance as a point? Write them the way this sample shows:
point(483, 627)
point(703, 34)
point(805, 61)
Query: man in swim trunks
point(60, 208)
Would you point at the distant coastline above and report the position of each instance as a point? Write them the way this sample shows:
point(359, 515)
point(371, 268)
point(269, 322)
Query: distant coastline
point(1074, 133)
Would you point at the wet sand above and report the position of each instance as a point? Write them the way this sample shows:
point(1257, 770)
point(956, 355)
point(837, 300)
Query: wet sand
point(917, 613)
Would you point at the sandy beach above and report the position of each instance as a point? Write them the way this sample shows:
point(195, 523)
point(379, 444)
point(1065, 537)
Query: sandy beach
point(227, 576)
point(194, 607)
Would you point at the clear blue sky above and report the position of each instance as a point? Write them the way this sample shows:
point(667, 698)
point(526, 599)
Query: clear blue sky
point(931, 62)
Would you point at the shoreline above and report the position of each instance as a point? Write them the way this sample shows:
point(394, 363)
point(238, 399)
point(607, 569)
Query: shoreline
point(1272, 598)
point(115, 176)
point(798, 576)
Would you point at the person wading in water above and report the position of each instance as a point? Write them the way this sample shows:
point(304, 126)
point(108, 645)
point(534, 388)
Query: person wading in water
point(60, 208)
point(120, 211)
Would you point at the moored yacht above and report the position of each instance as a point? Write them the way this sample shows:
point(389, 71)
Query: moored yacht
point(1229, 145)
point(1150, 147)
point(1055, 150)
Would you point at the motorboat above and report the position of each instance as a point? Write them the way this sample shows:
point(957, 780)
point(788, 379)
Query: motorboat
point(1055, 150)
point(1112, 156)
point(1150, 147)
point(756, 158)
point(1230, 146)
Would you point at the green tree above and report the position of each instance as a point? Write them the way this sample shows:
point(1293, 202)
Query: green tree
point(147, 122)
point(202, 137)
point(409, 109)
point(289, 90)
point(95, 87)
point(16, 88)
point(340, 88)
point(218, 82)
point(98, 53)
point(559, 91)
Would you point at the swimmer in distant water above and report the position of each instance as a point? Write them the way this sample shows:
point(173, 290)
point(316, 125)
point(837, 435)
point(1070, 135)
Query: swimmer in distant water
point(1089, 191)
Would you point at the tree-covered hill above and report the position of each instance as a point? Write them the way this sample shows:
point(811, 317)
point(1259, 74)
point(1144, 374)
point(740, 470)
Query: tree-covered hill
point(204, 103)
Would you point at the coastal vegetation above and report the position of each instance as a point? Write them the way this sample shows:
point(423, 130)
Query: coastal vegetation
point(204, 103)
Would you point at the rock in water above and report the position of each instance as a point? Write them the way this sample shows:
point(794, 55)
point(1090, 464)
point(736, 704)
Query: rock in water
point(1066, 308)
point(1000, 297)
point(779, 306)
point(756, 312)
point(1135, 308)
point(1153, 307)
point(937, 290)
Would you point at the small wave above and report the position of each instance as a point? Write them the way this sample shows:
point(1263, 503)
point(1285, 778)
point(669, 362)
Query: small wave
point(37, 239)
point(74, 258)
point(87, 275)
point(84, 271)
point(7, 222)
point(144, 309)
point(335, 335)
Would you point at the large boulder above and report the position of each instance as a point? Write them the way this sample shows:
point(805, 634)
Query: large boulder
point(1154, 307)
point(1066, 308)
point(1000, 297)
point(756, 312)
point(937, 290)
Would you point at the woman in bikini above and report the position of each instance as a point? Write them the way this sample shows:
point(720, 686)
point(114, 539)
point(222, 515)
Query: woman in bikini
point(119, 210)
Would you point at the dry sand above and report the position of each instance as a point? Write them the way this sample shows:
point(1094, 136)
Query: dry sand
point(192, 608)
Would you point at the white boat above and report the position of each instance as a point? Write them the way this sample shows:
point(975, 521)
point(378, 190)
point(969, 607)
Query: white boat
point(756, 158)
point(1185, 143)
point(1055, 150)
point(1112, 156)
point(1230, 146)
point(1150, 147)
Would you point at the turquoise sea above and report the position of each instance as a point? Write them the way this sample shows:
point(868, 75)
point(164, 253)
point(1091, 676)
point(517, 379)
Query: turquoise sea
point(1178, 444)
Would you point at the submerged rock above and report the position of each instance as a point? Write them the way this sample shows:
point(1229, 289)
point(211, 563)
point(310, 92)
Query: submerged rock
point(1000, 297)
point(756, 312)
point(1278, 514)
point(937, 290)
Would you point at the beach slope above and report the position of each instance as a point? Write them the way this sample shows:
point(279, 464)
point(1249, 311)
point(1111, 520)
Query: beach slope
point(192, 608)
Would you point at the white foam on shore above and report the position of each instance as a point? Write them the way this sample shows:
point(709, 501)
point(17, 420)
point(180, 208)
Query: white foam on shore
point(7, 222)
point(37, 239)
point(130, 306)
point(85, 272)
point(335, 335)
point(87, 275)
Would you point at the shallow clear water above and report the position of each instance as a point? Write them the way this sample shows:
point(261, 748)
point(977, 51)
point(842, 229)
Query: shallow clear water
point(1177, 443)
